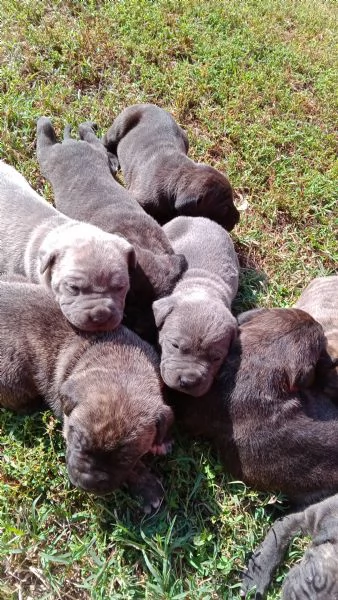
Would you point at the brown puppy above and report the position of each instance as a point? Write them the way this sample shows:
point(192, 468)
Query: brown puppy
point(270, 433)
point(152, 152)
point(85, 189)
point(320, 300)
point(316, 575)
point(105, 387)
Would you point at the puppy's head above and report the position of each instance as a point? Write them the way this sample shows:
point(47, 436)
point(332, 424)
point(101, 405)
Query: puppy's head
point(108, 427)
point(195, 335)
point(88, 273)
point(283, 346)
point(205, 192)
point(315, 576)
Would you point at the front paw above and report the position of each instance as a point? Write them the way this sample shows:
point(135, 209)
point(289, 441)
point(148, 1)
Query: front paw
point(162, 449)
point(144, 485)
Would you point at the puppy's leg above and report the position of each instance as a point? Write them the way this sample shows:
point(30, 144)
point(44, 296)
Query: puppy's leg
point(269, 555)
point(143, 484)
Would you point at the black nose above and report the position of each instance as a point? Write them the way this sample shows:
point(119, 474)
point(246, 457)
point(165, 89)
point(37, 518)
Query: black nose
point(100, 314)
point(187, 381)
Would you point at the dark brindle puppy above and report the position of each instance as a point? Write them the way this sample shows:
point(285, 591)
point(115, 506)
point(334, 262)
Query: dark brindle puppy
point(270, 432)
point(105, 387)
point(152, 152)
point(85, 189)
point(315, 577)
point(320, 300)
point(195, 322)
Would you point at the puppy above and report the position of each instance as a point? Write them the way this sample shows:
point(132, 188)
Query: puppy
point(85, 189)
point(316, 575)
point(270, 429)
point(152, 152)
point(106, 388)
point(86, 270)
point(195, 322)
point(320, 300)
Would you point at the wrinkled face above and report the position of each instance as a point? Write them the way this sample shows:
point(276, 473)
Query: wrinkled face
point(90, 282)
point(195, 339)
point(104, 444)
point(315, 576)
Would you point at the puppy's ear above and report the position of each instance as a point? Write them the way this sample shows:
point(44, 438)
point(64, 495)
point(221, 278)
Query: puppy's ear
point(68, 396)
point(163, 423)
point(161, 309)
point(305, 378)
point(132, 260)
point(184, 203)
point(246, 316)
point(46, 259)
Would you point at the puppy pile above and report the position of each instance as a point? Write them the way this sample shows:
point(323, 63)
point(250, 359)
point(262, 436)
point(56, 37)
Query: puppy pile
point(115, 310)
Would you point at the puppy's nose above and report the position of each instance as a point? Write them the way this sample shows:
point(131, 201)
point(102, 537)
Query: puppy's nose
point(187, 381)
point(100, 314)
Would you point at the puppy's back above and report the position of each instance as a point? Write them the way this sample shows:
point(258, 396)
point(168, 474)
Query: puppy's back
point(22, 210)
point(205, 244)
point(320, 300)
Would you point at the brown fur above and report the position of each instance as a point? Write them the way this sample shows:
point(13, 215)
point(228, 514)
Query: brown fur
point(105, 387)
point(152, 152)
point(271, 432)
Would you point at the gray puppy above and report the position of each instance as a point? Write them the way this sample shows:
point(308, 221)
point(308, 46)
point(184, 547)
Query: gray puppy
point(195, 322)
point(85, 189)
point(152, 152)
point(105, 387)
point(86, 269)
point(315, 577)
point(320, 300)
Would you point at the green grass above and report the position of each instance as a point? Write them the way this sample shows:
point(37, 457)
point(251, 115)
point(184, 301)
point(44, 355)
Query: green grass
point(254, 83)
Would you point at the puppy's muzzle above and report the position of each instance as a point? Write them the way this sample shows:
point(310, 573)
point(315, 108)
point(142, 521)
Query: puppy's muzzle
point(189, 380)
point(88, 476)
point(101, 314)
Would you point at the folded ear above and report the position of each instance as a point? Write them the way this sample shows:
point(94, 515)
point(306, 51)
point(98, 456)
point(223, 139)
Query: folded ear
point(132, 259)
point(46, 258)
point(161, 309)
point(246, 316)
point(68, 396)
point(185, 202)
point(163, 423)
point(129, 251)
point(304, 378)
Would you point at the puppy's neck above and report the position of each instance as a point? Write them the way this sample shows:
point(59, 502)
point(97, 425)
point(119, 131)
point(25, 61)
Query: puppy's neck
point(198, 281)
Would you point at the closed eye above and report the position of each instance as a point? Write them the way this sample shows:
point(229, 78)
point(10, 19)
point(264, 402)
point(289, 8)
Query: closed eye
point(174, 345)
point(72, 289)
point(215, 358)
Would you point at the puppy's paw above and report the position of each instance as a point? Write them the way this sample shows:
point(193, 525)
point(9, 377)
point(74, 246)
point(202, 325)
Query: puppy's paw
point(113, 163)
point(143, 484)
point(162, 449)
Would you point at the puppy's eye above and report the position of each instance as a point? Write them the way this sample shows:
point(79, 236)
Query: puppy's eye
point(118, 287)
point(175, 345)
point(215, 358)
point(72, 289)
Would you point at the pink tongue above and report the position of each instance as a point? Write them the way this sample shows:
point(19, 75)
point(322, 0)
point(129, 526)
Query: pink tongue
point(162, 449)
